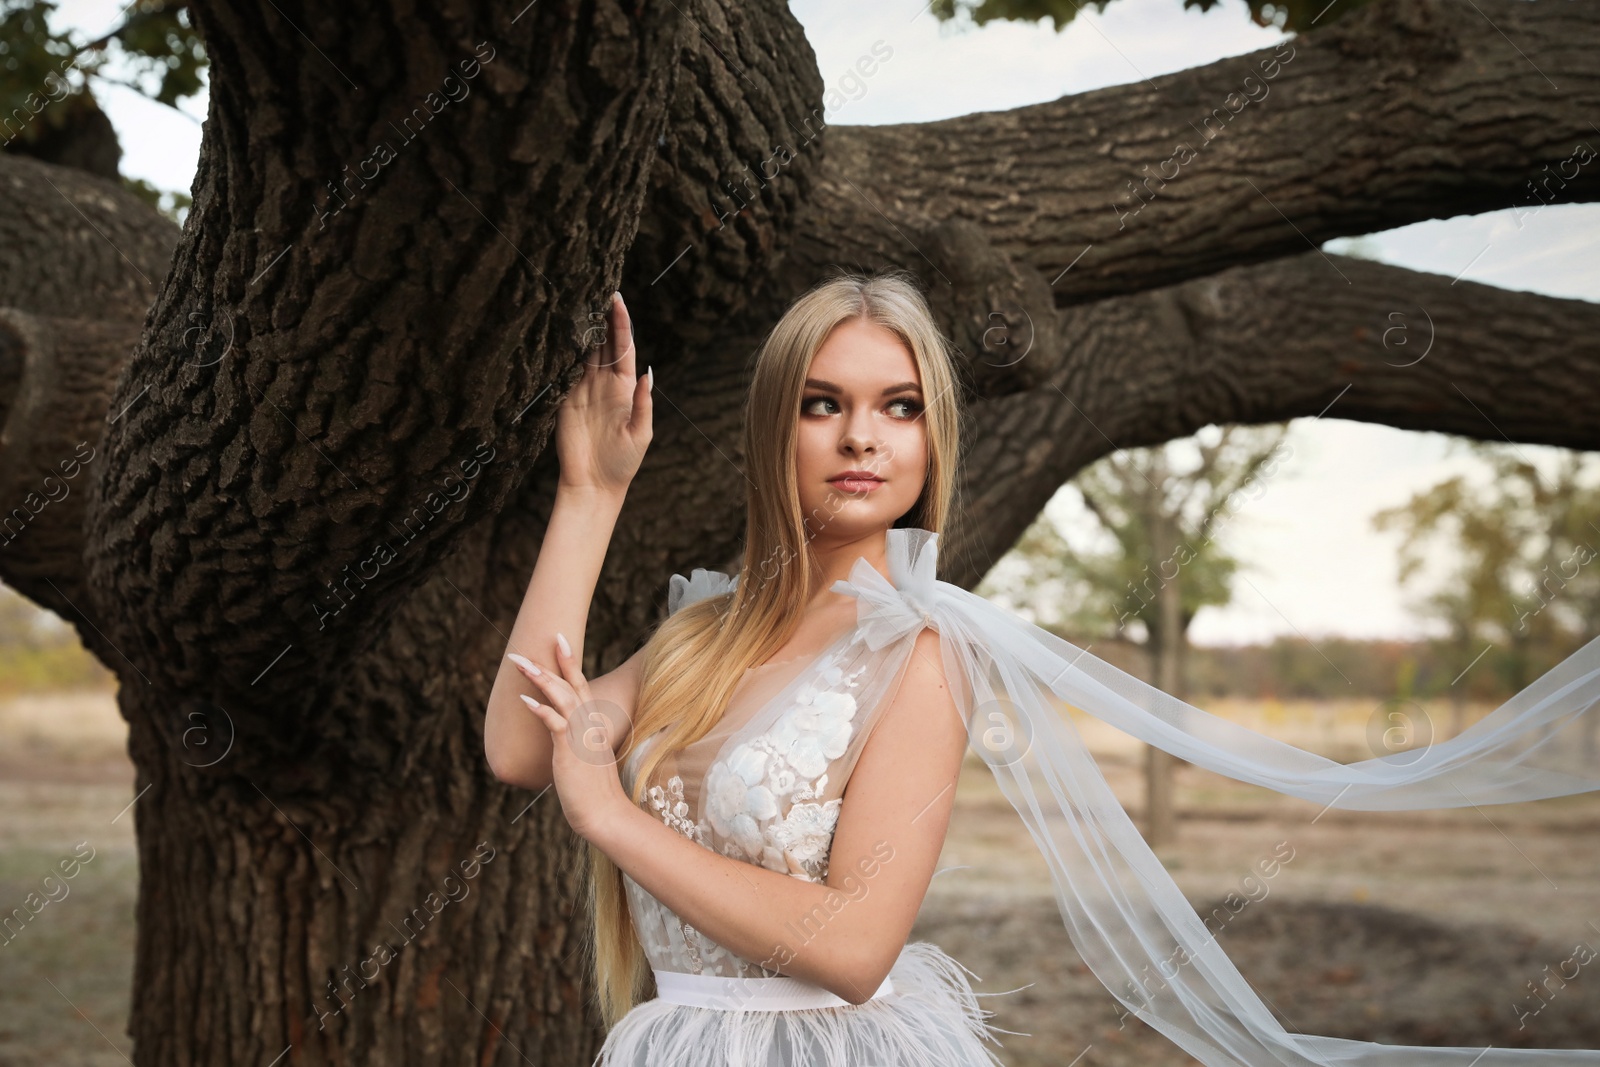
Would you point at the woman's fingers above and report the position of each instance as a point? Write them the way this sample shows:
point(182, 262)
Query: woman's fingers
point(529, 669)
point(621, 337)
point(557, 691)
point(571, 669)
point(615, 337)
point(555, 723)
point(566, 699)
point(594, 722)
point(589, 738)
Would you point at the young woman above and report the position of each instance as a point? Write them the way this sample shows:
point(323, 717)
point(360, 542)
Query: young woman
point(764, 788)
point(724, 857)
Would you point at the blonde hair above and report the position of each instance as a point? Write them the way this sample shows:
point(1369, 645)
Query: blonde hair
point(693, 660)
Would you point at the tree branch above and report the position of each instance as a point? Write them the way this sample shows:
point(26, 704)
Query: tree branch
point(80, 246)
point(1394, 347)
point(56, 377)
point(1402, 111)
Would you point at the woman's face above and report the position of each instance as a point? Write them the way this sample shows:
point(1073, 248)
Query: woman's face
point(861, 410)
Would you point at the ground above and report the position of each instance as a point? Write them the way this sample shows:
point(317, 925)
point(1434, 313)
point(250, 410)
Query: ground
point(1405, 928)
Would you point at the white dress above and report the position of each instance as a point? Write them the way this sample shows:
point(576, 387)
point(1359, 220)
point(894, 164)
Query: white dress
point(765, 787)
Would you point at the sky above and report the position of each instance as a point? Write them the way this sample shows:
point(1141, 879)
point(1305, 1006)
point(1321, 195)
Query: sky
point(1315, 567)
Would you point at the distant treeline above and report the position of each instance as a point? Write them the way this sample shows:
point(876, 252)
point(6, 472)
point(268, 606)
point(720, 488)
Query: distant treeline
point(39, 653)
point(1336, 667)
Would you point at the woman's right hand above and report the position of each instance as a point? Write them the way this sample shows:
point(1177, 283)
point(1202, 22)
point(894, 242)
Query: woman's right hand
point(605, 423)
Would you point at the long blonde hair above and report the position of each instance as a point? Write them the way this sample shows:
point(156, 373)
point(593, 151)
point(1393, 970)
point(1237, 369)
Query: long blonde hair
point(694, 660)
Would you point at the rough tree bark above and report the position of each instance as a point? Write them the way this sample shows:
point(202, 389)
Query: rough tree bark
point(281, 514)
point(321, 472)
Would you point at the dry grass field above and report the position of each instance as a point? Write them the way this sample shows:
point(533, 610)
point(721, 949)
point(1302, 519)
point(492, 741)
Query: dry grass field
point(1413, 928)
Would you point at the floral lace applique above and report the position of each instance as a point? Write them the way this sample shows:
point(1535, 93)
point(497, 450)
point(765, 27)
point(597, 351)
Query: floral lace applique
point(787, 764)
point(805, 836)
point(674, 811)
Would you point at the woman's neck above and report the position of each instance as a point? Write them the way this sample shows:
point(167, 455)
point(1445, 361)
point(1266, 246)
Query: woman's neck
point(836, 558)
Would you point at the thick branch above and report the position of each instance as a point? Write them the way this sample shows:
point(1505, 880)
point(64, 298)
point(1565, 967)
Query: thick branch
point(73, 245)
point(1402, 111)
point(85, 140)
point(739, 154)
point(56, 379)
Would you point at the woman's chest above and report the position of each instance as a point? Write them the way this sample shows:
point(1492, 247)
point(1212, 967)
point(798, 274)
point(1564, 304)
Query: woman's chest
point(766, 786)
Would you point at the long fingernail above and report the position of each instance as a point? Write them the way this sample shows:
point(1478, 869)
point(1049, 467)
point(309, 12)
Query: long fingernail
point(566, 649)
point(523, 662)
point(528, 700)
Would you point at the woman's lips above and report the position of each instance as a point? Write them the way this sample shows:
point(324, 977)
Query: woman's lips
point(857, 485)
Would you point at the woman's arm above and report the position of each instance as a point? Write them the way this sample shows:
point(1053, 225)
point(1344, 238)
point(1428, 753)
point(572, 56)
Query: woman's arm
point(602, 432)
point(843, 935)
point(515, 742)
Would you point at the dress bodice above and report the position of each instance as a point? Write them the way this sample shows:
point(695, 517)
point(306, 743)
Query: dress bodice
point(766, 784)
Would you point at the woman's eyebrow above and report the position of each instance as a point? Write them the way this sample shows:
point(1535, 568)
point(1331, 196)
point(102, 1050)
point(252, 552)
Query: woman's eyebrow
point(817, 383)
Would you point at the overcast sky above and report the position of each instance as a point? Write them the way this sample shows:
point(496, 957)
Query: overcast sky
point(1315, 566)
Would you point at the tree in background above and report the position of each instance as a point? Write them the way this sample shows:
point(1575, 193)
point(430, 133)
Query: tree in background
point(1164, 508)
point(1525, 579)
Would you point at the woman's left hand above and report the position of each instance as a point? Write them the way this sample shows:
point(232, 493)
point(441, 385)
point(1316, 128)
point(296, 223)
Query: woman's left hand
point(582, 760)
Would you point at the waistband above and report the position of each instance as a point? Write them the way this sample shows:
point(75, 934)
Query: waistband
point(781, 993)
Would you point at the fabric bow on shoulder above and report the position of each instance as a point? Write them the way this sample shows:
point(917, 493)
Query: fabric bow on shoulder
point(889, 610)
point(681, 591)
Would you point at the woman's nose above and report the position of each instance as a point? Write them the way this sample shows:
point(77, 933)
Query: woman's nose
point(858, 443)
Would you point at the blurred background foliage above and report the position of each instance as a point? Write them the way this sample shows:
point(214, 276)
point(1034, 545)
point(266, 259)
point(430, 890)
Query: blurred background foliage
point(48, 79)
point(40, 654)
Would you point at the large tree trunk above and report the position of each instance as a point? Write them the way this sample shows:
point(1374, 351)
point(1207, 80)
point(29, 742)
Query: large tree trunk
point(313, 884)
point(321, 474)
point(285, 542)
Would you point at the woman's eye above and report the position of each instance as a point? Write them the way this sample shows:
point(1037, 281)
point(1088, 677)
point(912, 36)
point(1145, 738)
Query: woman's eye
point(912, 407)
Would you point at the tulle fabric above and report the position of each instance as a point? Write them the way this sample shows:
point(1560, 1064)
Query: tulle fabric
point(1126, 916)
point(932, 1019)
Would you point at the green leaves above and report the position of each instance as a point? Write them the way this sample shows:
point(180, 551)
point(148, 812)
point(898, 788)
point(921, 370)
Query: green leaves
point(47, 77)
point(159, 36)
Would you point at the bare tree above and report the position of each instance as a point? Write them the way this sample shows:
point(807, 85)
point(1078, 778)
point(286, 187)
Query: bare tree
point(1165, 514)
point(1526, 576)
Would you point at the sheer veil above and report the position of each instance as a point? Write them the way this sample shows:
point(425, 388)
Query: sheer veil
point(1127, 917)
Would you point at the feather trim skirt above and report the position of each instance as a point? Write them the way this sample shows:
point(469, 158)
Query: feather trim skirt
point(930, 1017)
